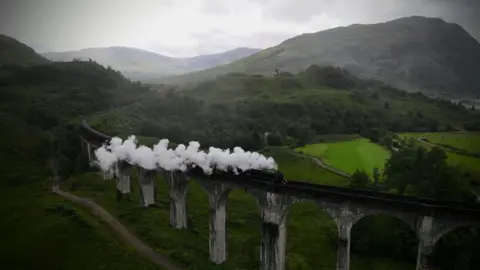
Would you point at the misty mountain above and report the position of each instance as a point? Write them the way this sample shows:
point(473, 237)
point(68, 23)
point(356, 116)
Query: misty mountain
point(412, 53)
point(144, 65)
point(212, 60)
point(13, 52)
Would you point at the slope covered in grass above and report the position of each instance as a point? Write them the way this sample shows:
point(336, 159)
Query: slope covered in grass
point(451, 142)
point(412, 53)
point(469, 142)
point(40, 230)
point(349, 156)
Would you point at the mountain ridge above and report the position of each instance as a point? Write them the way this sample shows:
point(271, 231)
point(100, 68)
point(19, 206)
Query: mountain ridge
point(144, 65)
point(14, 52)
point(413, 53)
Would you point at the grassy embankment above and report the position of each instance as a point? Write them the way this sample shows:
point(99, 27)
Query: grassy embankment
point(312, 234)
point(468, 142)
point(40, 230)
point(348, 156)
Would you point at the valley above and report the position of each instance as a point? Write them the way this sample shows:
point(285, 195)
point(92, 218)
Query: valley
point(325, 97)
point(147, 66)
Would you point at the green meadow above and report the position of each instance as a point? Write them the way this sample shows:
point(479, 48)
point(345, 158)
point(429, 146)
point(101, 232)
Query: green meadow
point(311, 238)
point(348, 156)
point(469, 142)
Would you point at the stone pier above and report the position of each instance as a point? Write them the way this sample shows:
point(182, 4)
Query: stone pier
point(123, 172)
point(345, 217)
point(90, 153)
point(177, 189)
point(147, 186)
point(217, 195)
point(426, 242)
point(274, 230)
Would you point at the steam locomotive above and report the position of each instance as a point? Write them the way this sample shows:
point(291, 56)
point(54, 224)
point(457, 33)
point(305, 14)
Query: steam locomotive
point(263, 175)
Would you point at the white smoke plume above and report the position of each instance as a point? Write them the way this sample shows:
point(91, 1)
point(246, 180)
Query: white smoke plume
point(181, 158)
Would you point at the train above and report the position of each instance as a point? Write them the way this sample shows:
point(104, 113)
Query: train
point(272, 176)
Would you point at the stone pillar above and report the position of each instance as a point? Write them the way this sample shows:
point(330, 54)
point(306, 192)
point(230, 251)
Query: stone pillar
point(217, 195)
point(90, 154)
point(426, 242)
point(147, 186)
point(274, 230)
point(177, 189)
point(124, 171)
point(345, 224)
point(343, 254)
point(345, 217)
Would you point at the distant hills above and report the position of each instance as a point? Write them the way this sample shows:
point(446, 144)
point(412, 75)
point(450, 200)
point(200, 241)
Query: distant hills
point(144, 65)
point(412, 53)
point(415, 53)
point(13, 52)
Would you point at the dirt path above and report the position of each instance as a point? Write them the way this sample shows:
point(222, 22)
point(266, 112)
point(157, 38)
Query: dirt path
point(325, 166)
point(428, 143)
point(97, 210)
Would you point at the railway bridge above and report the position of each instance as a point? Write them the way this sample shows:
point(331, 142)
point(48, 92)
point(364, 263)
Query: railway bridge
point(430, 219)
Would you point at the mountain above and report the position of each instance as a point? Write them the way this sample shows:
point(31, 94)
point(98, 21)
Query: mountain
point(144, 65)
point(134, 63)
point(13, 52)
point(413, 53)
point(213, 60)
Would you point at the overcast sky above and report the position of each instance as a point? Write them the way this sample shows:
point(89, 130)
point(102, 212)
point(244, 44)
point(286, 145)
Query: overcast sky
point(192, 27)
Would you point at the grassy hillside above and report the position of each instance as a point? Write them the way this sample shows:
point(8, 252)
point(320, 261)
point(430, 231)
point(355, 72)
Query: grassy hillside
point(13, 52)
point(452, 143)
point(40, 230)
point(349, 156)
point(414, 53)
point(239, 109)
point(463, 141)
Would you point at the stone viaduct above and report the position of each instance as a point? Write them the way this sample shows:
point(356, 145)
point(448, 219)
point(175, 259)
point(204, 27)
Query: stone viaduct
point(430, 219)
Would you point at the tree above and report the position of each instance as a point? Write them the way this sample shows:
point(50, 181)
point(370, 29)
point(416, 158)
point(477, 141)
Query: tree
point(359, 179)
point(376, 178)
point(415, 171)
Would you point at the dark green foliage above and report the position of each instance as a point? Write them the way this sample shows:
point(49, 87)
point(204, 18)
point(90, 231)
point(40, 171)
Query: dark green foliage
point(415, 171)
point(384, 236)
point(359, 180)
point(458, 250)
point(238, 109)
point(39, 106)
point(418, 172)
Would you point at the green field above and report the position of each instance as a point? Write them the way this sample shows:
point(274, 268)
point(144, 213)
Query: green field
point(41, 230)
point(349, 156)
point(463, 141)
point(311, 237)
point(469, 142)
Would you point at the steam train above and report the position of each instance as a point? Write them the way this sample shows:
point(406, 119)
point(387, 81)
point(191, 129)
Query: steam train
point(262, 175)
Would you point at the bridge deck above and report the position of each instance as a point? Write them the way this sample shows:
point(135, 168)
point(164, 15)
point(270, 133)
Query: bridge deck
point(339, 193)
